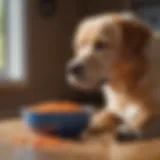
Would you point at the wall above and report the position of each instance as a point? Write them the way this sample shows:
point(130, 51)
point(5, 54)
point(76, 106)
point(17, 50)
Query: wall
point(48, 50)
point(49, 42)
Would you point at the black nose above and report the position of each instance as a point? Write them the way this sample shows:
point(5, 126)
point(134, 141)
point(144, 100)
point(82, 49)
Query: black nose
point(76, 69)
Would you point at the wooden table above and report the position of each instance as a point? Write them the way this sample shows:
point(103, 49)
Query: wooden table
point(98, 148)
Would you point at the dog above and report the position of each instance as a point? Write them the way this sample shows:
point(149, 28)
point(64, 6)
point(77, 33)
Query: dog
point(111, 53)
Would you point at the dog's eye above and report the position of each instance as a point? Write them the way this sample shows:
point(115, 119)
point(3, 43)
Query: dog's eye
point(100, 45)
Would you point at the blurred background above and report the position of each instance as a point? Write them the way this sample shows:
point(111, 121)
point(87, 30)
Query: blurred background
point(35, 44)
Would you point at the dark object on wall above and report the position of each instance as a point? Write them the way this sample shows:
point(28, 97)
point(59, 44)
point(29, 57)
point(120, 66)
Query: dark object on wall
point(46, 7)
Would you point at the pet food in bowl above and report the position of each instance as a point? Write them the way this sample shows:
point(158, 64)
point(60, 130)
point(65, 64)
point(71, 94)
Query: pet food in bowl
point(64, 119)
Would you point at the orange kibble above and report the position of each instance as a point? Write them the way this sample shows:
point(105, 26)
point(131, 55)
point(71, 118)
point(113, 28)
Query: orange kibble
point(48, 141)
point(56, 107)
point(39, 141)
point(22, 140)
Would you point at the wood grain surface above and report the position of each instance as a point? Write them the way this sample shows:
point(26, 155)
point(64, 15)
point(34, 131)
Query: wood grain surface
point(95, 148)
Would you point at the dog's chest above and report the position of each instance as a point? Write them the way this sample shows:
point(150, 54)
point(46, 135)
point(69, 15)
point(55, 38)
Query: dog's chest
point(120, 104)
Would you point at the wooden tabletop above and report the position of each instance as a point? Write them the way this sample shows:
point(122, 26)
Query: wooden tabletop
point(102, 147)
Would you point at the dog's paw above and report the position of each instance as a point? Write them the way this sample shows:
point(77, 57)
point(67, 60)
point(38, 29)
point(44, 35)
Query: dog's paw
point(123, 137)
point(123, 134)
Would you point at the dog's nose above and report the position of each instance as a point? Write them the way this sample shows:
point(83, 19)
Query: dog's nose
point(76, 69)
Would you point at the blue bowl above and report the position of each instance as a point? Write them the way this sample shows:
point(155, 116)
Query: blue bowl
point(64, 124)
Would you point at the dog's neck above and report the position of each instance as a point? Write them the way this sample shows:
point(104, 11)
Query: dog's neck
point(133, 82)
point(127, 75)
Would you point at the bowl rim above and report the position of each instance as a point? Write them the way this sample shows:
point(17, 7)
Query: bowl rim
point(84, 109)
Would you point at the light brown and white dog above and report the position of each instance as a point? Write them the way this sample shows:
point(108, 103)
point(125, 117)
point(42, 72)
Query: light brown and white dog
point(111, 49)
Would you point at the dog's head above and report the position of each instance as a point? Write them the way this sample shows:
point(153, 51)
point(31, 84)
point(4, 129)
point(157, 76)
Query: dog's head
point(102, 42)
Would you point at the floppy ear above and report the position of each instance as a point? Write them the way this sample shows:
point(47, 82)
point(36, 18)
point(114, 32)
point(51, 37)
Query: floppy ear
point(135, 35)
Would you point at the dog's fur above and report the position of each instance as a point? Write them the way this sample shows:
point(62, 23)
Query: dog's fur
point(113, 48)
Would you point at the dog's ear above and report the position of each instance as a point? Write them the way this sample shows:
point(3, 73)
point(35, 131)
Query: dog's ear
point(135, 35)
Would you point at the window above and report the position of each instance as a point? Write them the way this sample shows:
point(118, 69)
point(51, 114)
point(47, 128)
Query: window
point(1, 35)
point(12, 40)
